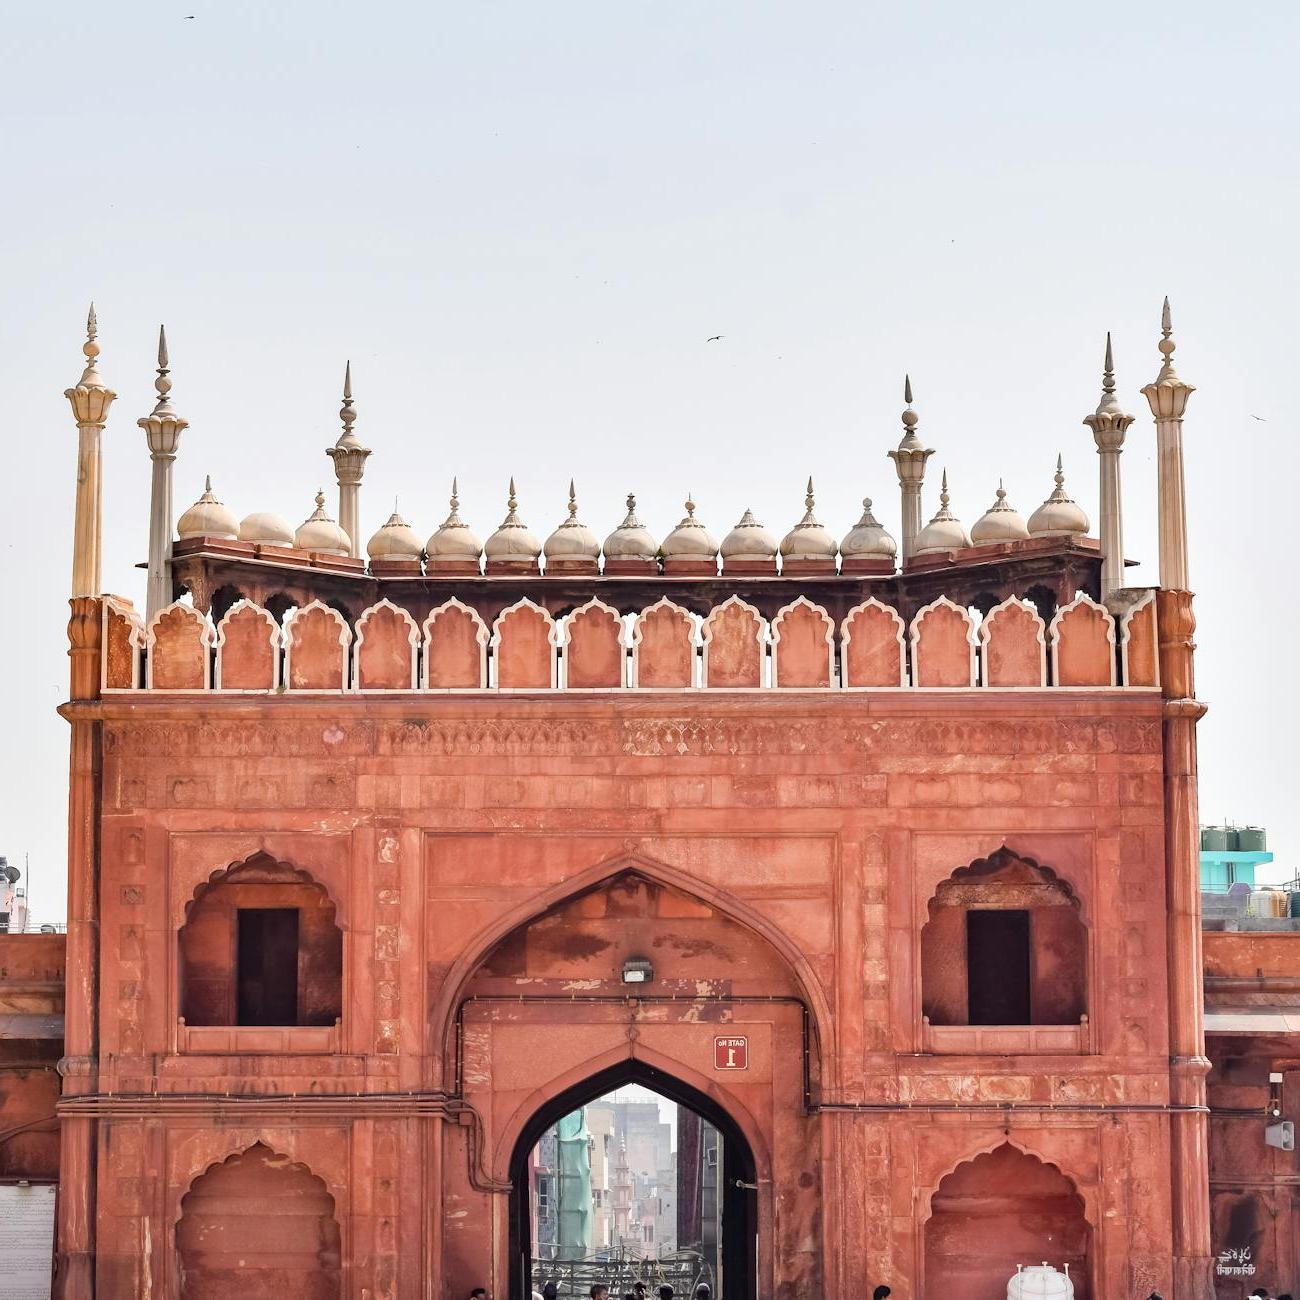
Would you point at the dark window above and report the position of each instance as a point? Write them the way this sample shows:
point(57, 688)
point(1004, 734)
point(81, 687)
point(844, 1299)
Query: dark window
point(267, 966)
point(997, 966)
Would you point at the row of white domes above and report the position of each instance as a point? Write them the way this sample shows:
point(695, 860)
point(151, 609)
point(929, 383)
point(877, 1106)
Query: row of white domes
point(808, 540)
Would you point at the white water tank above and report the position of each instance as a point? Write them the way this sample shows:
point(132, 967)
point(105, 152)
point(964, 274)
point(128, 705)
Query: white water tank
point(1040, 1282)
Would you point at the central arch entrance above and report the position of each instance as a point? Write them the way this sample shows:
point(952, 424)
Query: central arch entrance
point(736, 1177)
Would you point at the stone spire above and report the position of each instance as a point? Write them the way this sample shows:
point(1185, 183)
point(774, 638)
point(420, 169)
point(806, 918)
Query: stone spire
point(162, 433)
point(909, 460)
point(90, 400)
point(349, 458)
point(1167, 396)
point(1109, 423)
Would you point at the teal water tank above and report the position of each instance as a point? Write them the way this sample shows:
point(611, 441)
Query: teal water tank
point(1252, 839)
point(1295, 902)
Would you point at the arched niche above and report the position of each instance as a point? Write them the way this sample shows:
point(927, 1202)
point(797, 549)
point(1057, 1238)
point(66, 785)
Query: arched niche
point(943, 645)
point(385, 652)
point(663, 648)
point(177, 644)
point(523, 647)
point(1000, 1208)
point(1004, 945)
point(487, 956)
point(259, 1224)
point(803, 647)
point(124, 639)
point(260, 946)
point(872, 647)
point(1083, 644)
point(593, 648)
point(1014, 643)
point(734, 635)
point(316, 640)
point(248, 649)
point(455, 648)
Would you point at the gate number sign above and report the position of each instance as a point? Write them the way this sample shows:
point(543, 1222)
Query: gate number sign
point(731, 1053)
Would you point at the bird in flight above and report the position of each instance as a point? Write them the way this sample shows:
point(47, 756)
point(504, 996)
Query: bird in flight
point(1260, 418)
point(713, 338)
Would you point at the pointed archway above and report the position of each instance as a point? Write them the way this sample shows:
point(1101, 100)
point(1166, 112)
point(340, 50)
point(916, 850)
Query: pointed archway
point(737, 1178)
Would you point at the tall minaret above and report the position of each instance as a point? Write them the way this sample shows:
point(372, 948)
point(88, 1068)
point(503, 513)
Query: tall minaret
point(90, 400)
point(1109, 424)
point(1168, 396)
point(349, 458)
point(909, 460)
point(162, 432)
point(1188, 1066)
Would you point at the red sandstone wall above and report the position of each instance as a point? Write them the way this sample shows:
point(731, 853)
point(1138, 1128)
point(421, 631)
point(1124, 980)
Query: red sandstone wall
point(31, 992)
point(824, 824)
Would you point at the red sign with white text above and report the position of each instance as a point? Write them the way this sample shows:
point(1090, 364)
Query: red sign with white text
point(731, 1053)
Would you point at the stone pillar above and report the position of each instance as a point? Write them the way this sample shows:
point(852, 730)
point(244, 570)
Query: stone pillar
point(1189, 1133)
point(75, 1228)
point(90, 400)
point(909, 460)
point(162, 431)
point(1109, 425)
point(349, 458)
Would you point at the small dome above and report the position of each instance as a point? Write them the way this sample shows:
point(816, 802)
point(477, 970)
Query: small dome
point(454, 541)
point(318, 532)
point(690, 540)
point(631, 540)
point(1001, 522)
point(867, 539)
point(572, 540)
point(207, 517)
point(266, 527)
point(808, 540)
point(945, 532)
point(513, 542)
point(749, 540)
point(396, 540)
point(1059, 515)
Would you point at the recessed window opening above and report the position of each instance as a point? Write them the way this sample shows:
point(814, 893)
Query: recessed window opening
point(997, 966)
point(266, 981)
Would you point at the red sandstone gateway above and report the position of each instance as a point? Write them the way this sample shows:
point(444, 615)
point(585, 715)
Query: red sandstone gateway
point(905, 859)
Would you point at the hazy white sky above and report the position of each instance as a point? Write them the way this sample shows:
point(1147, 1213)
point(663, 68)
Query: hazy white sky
point(521, 221)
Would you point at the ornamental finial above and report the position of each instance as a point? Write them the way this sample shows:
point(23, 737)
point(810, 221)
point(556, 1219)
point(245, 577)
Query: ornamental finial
point(162, 385)
point(573, 502)
point(347, 413)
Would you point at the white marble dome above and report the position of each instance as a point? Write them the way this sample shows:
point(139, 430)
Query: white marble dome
point(318, 532)
point(945, 532)
point(1001, 522)
point(749, 540)
point(454, 541)
point(808, 540)
point(1060, 515)
point(631, 540)
point(266, 528)
point(207, 517)
point(395, 540)
point(868, 539)
point(572, 540)
point(513, 541)
point(690, 540)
